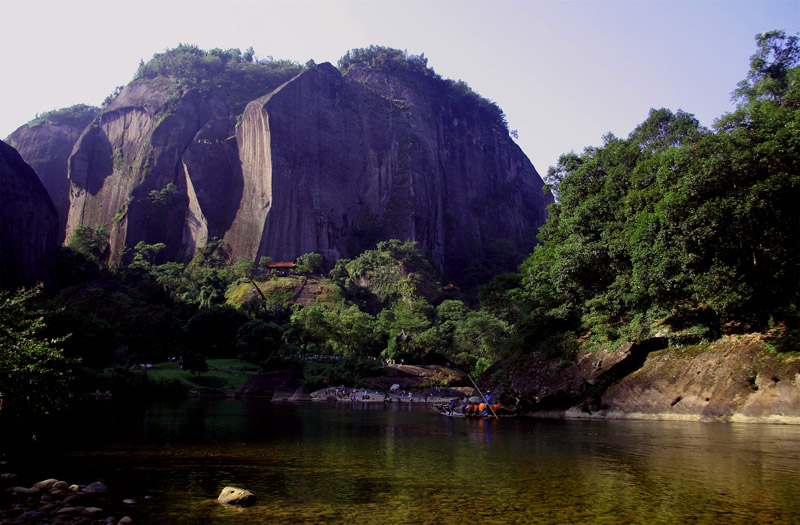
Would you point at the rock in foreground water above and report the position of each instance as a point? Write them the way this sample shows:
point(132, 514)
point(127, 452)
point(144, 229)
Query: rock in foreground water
point(236, 496)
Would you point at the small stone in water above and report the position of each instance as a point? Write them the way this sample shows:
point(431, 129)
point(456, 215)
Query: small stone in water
point(129, 501)
point(96, 487)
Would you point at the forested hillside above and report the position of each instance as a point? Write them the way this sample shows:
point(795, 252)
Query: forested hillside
point(675, 231)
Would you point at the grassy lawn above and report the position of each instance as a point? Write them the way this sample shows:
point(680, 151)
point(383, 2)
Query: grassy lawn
point(223, 374)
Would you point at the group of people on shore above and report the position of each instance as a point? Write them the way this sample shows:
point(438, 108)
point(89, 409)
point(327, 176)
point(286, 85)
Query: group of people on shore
point(352, 394)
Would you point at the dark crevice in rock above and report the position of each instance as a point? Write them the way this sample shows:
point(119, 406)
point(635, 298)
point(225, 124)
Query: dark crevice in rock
point(543, 387)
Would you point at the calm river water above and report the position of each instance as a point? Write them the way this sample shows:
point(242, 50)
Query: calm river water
point(356, 463)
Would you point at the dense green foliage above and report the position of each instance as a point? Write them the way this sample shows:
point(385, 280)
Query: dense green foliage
point(35, 377)
point(92, 242)
point(386, 303)
point(78, 116)
point(379, 58)
point(230, 73)
point(677, 230)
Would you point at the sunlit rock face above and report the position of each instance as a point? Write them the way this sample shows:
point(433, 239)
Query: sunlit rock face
point(156, 167)
point(28, 224)
point(323, 163)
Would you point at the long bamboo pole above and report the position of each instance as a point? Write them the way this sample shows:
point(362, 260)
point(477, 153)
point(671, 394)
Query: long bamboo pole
point(484, 397)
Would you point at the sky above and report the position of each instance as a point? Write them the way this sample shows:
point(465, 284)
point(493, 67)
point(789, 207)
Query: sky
point(565, 72)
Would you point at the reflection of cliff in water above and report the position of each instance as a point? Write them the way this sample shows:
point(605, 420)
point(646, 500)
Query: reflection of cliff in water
point(381, 463)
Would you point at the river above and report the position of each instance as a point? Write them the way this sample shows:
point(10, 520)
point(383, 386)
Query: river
point(375, 463)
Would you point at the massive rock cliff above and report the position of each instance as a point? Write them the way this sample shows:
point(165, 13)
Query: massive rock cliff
point(28, 224)
point(324, 162)
point(46, 148)
point(329, 161)
point(156, 167)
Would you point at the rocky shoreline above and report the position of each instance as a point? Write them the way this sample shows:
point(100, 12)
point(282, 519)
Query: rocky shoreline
point(55, 501)
point(733, 380)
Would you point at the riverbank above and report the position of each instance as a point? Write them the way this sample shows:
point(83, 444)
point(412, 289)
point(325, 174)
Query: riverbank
point(399, 383)
point(734, 379)
point(55, 501)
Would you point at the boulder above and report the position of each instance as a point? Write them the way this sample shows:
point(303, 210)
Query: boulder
point(92, 512)
point(301, 394)
point(46, 485)
point(95, 487)
point(266, 385)
point(236, 496)
point(33, 491)
point(282, 394)
point(60, 485)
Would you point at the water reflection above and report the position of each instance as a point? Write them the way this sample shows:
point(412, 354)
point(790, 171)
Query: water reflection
point(399, 463)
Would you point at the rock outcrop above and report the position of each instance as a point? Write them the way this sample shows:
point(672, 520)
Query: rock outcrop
point(325, 163)
point(733, 379)
point(46, 148)
point(28, 224)
point(270, 383)
point(327, 160)
point(144, 167)
point(236, 496)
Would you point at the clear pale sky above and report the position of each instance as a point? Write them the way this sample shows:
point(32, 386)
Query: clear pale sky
point(565, 72)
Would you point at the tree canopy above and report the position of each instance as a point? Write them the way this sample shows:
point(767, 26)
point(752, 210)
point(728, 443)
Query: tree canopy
point(231, 73)
point(387, 59)
point(677, 229)
point(78, 116)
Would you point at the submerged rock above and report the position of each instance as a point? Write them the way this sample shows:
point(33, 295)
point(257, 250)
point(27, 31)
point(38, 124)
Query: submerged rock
point(95, 487)
point(236, 496)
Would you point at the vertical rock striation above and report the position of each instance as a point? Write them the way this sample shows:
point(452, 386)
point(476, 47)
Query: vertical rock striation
point(324, 162)
point(332, 164)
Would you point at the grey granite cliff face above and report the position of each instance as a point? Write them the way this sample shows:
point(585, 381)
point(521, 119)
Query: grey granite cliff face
point(330, 162)
point(46, 148)
point(157, 168)
point(28, 224)
point(324, 163)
